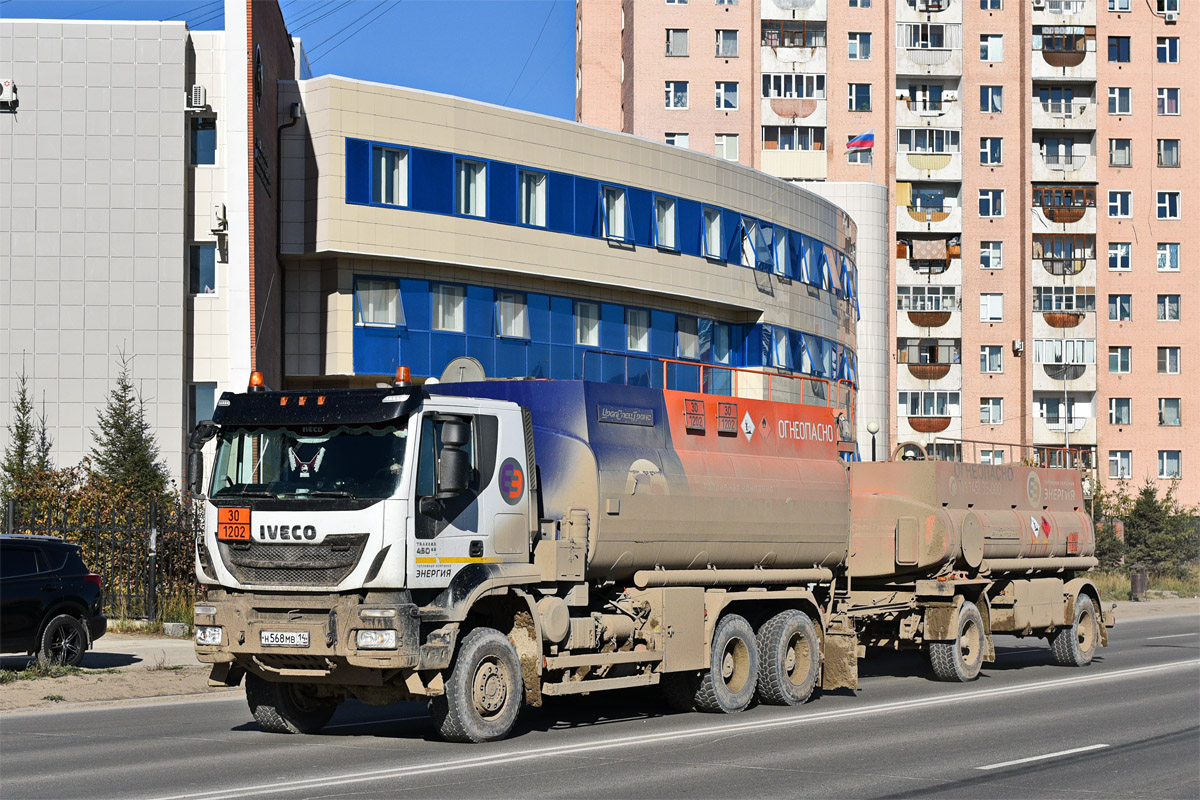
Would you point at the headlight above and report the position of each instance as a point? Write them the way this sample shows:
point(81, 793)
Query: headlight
point(376, 640)
point(208, 634)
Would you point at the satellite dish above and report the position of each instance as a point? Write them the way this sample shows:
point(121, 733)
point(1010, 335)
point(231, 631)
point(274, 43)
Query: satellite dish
point(463, 369)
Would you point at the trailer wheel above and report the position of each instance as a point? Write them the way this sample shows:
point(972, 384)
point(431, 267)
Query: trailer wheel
point(727, 686)
point(789, 658)
point(484, 691)
point(286, 707)
point(1075, 646)
point(960, 660)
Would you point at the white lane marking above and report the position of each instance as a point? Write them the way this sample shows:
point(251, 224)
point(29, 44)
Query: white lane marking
point(1172, 636)
point(712, 729)
point(1059, 754)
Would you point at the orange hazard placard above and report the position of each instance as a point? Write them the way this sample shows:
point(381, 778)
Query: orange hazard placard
point(233, 524)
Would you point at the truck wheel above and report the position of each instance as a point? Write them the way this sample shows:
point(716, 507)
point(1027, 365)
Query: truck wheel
point(286, 707)
point(63, 642)
point(1075, 646)
point(788, 659)
point(960, 660)
point(727, 686)
point(484, 691)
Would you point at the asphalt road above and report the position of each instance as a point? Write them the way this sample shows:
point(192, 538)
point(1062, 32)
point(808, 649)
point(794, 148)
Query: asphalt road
point(1127, 726)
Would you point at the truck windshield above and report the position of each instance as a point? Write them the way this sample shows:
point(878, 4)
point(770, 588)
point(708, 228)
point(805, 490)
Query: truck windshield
point(330, 461)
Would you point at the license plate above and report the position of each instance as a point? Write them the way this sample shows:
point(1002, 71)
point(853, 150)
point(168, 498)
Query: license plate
point(233, 524)
point(283, 638)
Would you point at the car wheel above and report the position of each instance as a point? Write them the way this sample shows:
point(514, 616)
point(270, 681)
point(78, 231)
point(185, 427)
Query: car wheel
point(63, 642)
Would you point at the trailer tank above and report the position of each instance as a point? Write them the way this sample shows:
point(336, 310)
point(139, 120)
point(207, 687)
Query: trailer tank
point(675, 480)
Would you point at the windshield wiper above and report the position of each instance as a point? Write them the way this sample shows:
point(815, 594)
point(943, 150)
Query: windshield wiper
point(332, 493)
point(246, 493)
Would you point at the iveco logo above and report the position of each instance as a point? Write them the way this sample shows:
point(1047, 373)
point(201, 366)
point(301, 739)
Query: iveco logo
point(286, 533)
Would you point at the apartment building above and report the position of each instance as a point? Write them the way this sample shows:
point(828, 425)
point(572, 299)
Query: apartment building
point(1033, 153)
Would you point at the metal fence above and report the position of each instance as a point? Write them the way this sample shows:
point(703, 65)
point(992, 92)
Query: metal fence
point(145, 557)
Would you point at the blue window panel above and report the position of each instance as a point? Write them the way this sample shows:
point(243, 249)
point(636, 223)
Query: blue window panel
point(731, 232)
point(560, 203)
point(510, 358)
point(375, 351)
point(795, 256)
point(562, 321)
point(641, 371)
point(414, 296)
point(432, 186)
point(444, 348)
point(587, 207)
point(705, 336)
point(481, 311)
point(537, 307)
point(414, 352)
point(538, 360)
point(483, 350)
point(562, 360)
point(758, 346)
point(689, 237)
point(502, 192)
point(662, 334)
point(581, 371)
point(612, 369)
point(358, 169)
point(683, 377)
point(641, 206)
point(612, 327)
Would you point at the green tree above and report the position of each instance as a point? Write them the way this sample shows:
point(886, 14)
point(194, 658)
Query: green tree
point(1159, 531)
point(126, 452)
point(19, 466)
point(44, 444)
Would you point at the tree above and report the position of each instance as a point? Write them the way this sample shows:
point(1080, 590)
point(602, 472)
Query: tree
point(44, 443)
point(1160, 532)
point(126, 452)
point(20, 454)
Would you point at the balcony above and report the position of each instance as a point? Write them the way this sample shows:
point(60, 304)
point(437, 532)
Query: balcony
point(1052, 324)
point(795, 164)
point(926, 219)
point(916, 166)
point(794, 59)
point(929, 61)
point(806, 9)
point(1069, 65)
point(1074, 115)
point(807, 111)
point(1065, 266)
point(929, 10)
point(1056, 377)
point(1064, 219)
point(1065, 12)
point(928, 113)
point(1080, 429)
point(1053, 167)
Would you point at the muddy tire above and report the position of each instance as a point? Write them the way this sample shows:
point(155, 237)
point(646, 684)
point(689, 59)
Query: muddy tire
point(679, 690)
point(63, 642)
point(286, 707)
point(727, 686)
point(484, 692)
point(960, 660)
point(789, 659)
point(1075, 646)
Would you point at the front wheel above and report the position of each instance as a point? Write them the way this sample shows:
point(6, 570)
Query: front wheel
point(63, 642)
point(484, 692)
point(960, 660)
point(287, 707)
point(1075, 646)
point(727, 686)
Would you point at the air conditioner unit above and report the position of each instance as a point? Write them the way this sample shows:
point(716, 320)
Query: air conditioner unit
point(8, 90)
point(1039, 4)
point(199, 97)
point(1018, 346)
point(1171, 17)
point(219, 223)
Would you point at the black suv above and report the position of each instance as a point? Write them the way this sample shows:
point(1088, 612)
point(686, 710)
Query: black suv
point(50, 604)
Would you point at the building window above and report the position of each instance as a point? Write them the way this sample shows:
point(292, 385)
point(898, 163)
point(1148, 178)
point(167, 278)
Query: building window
point(781, 352)
point(990, 456)
point(687, 336)
point(511, 319)
point(1119, 357)
point(1064, 298)
point(1167, 6)
point(1120, 410)
point(677, 42)
point(1118, 5)
point(792, 137)
point(448, 302)
point(1168, 152)
point(202, 402)
point(712, 232)
point(664, 222)
point(1064, 351)
point(587, 324)
point(1168, 308)
point(991, 47)
point(727, 44)
point(722, 343)
point(637, 330)
point(1118, 49)
point(991, 99)
point(614, 212)
point(991, 5)
point(1168, 102)
point(1120, 204)
point(927, 298)
point(1168, 49)
point(1168, 411)
point(860, 46)
point(991, 358)
point(1120, 256)
point(1167, 205)
point(1169, 464)
point(389, 183)
point(726, 146)
point(677, 94)
point(727, 2)
point(533, 198)
point(727, 95)
point(991, 255)
point(860, 3)
point(930, 404)
point(991, 150)
point(203, 141)
point(202, 268)
point(1119, 100)
point(677, 2)
point(1120, 153)
point(377, 302)
point(1168, 360)
point(1168, 257)
point(677, 140)
point(472, 188)
point(860, 97)
point(991, 410)
point(991, 202)
point(793, 33)
point(1120, 463)
point(793, 85)
point(862, 155)
point(991, 307)
point(1120, 307)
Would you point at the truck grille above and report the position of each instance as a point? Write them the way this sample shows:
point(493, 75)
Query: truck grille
point(324, 564)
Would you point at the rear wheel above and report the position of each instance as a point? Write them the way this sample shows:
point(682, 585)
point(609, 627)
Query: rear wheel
point(287, 707)
point(788, 659)
point(1075, 646)
point(727, 686)
point(63, 643)
point(484, 692)
point(961, 659)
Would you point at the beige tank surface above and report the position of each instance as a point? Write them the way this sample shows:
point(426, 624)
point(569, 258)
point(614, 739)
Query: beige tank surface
point(912, 518)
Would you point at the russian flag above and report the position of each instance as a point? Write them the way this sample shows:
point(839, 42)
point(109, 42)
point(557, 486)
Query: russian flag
point(864, 141)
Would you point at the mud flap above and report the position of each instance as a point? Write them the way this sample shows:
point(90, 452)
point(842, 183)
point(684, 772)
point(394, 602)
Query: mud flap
point(840, 665)
point(225, 674)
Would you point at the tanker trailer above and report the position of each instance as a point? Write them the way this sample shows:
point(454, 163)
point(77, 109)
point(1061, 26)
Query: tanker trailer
point(945, 554)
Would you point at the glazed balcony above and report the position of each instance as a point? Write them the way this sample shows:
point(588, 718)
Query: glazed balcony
point(1072, 377)
point(1054, 324)
point(1064, 12)
point(1064, 219)
point(806, 111)
point(794, 59)
point(925, 166)
point(917, 324)
point(929, 61)
point(925, 219)
point(1065, 65)
point(1068, 266)
point(795, 9)
point(810, 165)
point(928, 113)
point(944, 272)
point(929, 10)
point(1072, 115)
point(1063, 167)
point(1080, 429)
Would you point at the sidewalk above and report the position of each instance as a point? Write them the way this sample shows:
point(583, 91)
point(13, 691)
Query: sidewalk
point(123, 651)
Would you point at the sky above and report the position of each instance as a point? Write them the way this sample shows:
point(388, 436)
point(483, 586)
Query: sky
point(518, 53)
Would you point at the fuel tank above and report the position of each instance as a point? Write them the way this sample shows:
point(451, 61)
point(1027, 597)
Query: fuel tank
point(682, 480)
point(911, 518)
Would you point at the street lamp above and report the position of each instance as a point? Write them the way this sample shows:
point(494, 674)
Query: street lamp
point(872, 428)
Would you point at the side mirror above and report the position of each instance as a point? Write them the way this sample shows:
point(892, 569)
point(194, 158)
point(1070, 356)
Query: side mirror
point(454, 465)
point(430, 507)
point(195, 472)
